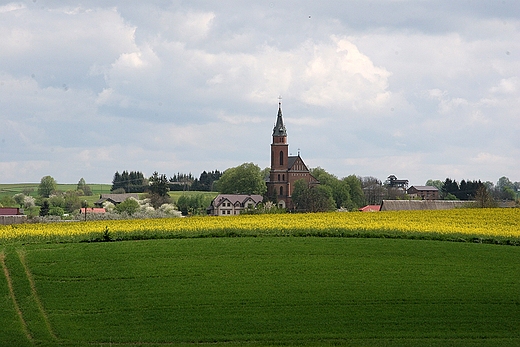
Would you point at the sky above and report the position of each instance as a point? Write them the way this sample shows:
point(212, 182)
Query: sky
point(416, 89)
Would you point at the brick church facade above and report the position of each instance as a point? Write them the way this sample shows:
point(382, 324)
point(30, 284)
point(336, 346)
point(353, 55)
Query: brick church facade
point(285, 169)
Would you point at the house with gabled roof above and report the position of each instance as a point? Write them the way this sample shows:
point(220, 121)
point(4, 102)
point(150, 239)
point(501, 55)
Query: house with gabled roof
point(423, 192)
point(233, 204)
point(285, 169)
point(115, 198)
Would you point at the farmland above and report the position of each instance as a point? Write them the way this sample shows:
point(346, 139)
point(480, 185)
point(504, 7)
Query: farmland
point(348, 279)
point(480, 225)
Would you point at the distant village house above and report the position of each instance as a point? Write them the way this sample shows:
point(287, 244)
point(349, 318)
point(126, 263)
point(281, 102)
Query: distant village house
point(423, 192)
point(115, 198)
point(233, 204)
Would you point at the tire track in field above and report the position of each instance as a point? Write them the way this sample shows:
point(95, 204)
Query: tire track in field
point(13, 298)
point(21, 256)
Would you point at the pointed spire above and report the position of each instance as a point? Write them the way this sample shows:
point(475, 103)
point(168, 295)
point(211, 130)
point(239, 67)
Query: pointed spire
point(279, 128)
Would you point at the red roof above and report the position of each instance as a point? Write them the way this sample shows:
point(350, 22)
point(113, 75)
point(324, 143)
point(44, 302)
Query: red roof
point(9, 211)
point(370, 208)
point(92, 210)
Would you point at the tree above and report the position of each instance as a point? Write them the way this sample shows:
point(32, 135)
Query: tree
point(47, 186)
point(19, 198)
point(7, 201)
point(72, 201)
point(133, 182)
point(506, 189)
point(356, 192)
point(312, 199)
point(244, 179)
point(194, 204)
point(373, 190)
point(158, 190)
point(340, 189)
point(483, 198)
point(82, 185)
point(204, 182)
point(434, 183)
point(129, 206)
point(45, 208)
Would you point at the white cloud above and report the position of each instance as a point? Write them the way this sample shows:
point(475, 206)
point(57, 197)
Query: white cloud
point(11, 7)
point(186, 87)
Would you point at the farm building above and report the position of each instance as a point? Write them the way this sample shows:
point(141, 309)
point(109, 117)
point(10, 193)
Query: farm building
point(423, 192)
point(115, 198)
point(397, 205)
point(11, 215)
point(233, 204)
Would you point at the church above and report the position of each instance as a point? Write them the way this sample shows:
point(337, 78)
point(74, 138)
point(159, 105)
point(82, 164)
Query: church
point(285, 169)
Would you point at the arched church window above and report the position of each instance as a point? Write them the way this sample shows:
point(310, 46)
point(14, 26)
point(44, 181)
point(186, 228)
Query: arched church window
point(281, 190)
point(281, 157)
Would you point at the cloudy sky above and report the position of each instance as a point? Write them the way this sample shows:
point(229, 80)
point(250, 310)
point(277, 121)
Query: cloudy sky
point(418, 89)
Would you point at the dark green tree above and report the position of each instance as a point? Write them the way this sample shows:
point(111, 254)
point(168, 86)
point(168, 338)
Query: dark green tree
point(158, 190)
point(45, 208)
point(133, 182)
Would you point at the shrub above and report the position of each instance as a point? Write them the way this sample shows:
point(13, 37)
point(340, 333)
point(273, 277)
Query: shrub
point(129, 206)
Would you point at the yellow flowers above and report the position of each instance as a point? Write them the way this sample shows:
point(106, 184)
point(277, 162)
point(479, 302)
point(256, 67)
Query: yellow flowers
point(483, 223)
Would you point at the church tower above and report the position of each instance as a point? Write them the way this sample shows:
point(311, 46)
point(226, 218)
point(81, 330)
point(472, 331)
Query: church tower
point(278, 179)
point(285, 169)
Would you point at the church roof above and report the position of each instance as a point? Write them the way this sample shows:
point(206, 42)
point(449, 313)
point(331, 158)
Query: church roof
point(279, 128)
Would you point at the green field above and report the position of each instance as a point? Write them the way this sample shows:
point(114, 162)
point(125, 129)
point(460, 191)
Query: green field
point(260, 291)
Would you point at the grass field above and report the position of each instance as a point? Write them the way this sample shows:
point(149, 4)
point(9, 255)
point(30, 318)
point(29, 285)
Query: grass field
point(260, 291)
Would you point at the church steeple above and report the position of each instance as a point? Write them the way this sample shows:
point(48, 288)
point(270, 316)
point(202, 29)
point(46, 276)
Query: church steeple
point(279, 128)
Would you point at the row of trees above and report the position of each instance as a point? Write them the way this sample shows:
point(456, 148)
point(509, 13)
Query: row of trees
point(504, 189)
point(135, 182)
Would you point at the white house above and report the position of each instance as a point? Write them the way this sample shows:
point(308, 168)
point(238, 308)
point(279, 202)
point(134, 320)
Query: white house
point(233, 204)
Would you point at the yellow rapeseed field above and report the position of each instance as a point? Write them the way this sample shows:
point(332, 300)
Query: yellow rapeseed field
point(485, 223)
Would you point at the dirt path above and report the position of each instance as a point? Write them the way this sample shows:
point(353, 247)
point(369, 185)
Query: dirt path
point(13, 298)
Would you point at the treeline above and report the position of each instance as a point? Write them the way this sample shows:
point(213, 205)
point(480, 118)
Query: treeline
point(465, 190)
point(450, 189)
point(135, 182)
